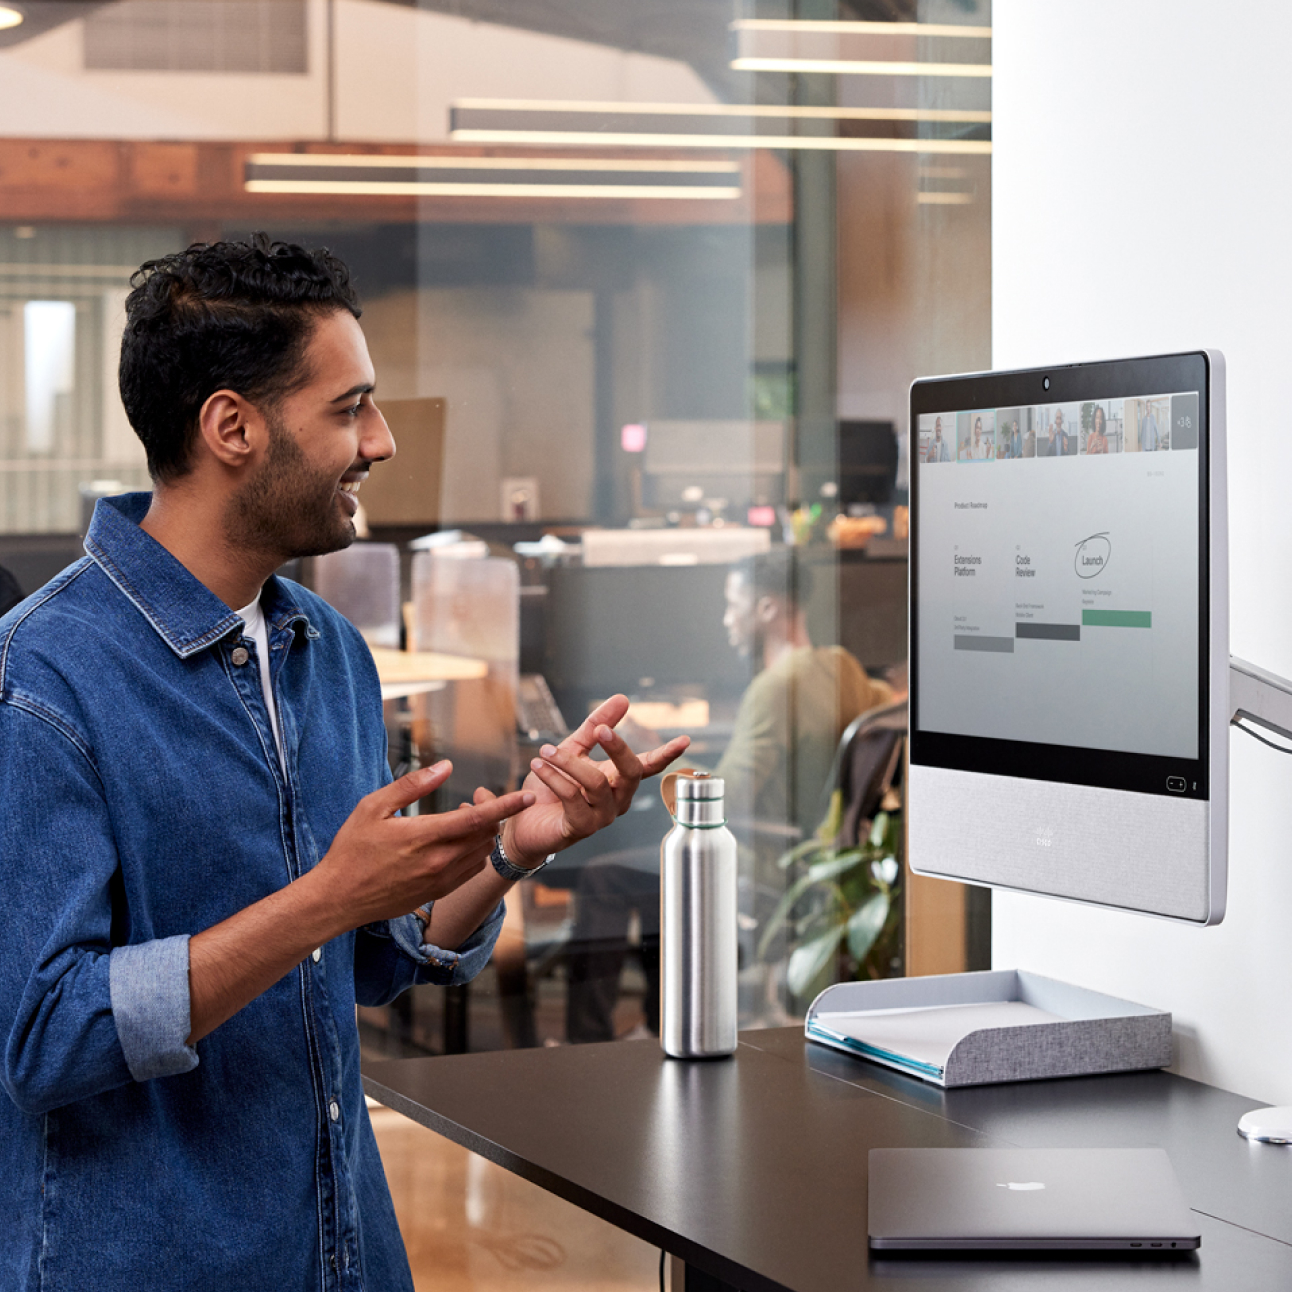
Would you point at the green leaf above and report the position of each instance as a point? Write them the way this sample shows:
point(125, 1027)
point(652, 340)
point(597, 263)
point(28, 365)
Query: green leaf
point(866, 925)
point(808, 960)
point(832, 866)
point(822, 872)
point(877, 829)
point(828, 831)
point(783, 908)
point(799, 851)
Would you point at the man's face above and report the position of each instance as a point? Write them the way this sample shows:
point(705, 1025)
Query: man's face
point(739, 619)
point(937, 430)
point(302, 497)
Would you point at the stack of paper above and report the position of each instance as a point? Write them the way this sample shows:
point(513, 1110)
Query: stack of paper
point(919, 1041)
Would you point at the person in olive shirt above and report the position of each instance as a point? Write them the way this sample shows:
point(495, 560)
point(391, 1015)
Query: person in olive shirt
point(792, 715)
point(775, 769)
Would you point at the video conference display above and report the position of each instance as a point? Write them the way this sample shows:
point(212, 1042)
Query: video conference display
point(1058, 601)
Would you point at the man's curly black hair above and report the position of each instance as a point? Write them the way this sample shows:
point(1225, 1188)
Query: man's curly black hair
point(220, 316)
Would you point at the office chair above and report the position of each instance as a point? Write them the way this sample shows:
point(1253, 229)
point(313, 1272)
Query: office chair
point(867, 764)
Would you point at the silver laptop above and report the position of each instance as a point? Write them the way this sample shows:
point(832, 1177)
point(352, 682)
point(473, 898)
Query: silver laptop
point(1018, 1200)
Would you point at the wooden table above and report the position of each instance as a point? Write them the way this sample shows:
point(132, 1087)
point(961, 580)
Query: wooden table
point(415, 672)
point(752, 1170)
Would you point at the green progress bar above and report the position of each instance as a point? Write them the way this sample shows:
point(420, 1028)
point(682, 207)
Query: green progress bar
point(1117, 618)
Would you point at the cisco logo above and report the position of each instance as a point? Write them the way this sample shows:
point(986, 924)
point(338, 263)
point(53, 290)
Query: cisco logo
point(1044, 836)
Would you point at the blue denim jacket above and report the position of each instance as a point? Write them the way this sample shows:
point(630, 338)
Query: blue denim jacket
point(143, 802)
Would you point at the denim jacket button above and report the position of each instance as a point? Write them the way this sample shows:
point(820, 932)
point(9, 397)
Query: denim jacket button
point(240, 655)
point(334, 1110)
point(317, 954)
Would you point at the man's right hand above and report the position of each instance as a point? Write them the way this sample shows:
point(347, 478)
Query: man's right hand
point(381, 865)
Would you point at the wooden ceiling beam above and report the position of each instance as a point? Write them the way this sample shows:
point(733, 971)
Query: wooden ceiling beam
point(139, 182)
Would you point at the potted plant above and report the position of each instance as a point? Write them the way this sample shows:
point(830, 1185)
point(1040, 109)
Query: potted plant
point(842, 907)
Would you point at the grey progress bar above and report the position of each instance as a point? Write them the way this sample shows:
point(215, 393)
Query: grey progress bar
point(1049, 632)
point(1004, 645)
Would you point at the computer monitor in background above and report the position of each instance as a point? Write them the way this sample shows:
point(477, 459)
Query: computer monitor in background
point(867, 462)
point(652, 630)
point(1069, 621)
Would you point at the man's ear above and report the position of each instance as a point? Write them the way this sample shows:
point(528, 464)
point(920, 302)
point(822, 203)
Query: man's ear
point(767, 610)
point(229, 428)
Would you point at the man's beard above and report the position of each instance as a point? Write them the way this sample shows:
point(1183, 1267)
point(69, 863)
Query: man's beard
point(287, 509)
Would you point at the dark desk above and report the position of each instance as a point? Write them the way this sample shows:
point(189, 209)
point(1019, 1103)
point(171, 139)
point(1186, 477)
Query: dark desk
point(753, 1170)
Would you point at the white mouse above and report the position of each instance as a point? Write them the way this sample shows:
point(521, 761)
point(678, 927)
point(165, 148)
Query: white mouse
point(1269, 1125)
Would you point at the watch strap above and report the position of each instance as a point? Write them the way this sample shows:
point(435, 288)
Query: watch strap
point(510, 871)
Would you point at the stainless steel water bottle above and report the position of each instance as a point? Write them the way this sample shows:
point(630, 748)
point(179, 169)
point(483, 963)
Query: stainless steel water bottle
point(697, 921)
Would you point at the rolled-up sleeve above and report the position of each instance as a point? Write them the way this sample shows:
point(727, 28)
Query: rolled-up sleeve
point(148, 986)
point(79, 1016)
point(390, 957)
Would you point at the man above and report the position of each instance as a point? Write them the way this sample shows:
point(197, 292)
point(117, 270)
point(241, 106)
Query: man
point(790, 718)
point(1150, 437)
point(1067, 439)
point(774, 770)
point(201, 852)
point(940, 450)
point(1056, 443)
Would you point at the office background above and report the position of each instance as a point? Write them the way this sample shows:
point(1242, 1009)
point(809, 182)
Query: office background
point(646, 266)
point(1138, 208)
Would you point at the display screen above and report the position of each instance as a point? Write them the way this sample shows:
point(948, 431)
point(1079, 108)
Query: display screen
point(1059, 575)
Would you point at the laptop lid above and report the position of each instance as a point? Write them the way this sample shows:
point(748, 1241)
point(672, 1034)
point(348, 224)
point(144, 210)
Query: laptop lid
point(972, 1199)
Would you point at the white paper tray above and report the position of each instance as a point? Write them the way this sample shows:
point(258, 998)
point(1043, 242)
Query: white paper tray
point(1085, 1032)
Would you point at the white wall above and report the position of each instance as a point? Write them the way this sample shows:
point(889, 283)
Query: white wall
point(1143, 203)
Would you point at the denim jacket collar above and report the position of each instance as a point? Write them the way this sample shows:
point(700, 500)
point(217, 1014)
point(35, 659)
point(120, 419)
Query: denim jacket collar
point(183, 612)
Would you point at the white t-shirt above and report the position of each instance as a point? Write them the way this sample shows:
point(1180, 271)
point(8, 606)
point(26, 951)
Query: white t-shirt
point(258, 631)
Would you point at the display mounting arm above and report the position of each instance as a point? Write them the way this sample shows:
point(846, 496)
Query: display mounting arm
point(1261, 698)
point(1264, 700)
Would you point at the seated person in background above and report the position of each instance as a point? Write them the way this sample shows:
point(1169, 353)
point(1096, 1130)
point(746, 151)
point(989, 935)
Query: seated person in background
point(10, 592)
point(775, 769)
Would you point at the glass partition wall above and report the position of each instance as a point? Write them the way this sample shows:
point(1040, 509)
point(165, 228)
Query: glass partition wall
point(645, 285)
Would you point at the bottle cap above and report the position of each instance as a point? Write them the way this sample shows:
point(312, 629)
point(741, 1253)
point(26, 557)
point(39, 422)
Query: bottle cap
point(690, 787)
point(699, 787)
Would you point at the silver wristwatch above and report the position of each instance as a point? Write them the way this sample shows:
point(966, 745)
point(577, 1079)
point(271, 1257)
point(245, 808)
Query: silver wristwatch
point(511, 872)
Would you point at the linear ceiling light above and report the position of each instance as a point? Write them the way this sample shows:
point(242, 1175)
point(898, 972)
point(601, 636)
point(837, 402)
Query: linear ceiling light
point(750, 59)
point(346, 161)
point(861, 28)
point(9, 17)
point(944, 199)
point(412, 188)
point(341, 174)
point(535, 122)
point(793, 112)
point(858, 67)
point(795, 143)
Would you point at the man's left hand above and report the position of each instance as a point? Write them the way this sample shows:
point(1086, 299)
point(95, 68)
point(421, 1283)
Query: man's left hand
point(575, 795)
